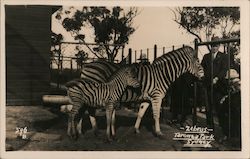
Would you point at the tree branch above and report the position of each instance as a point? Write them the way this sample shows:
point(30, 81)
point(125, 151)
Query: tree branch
point(188, 29)
point(97, 55)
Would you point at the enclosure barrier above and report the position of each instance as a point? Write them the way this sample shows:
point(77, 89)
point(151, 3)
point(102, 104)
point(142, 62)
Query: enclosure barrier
point(132, 54)
point(209, 113)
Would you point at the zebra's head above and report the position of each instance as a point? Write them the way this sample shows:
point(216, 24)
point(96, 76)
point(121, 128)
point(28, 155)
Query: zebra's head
point(131, 76)
point(196, 69)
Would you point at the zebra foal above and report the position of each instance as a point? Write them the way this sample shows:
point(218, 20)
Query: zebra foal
point(107, 95)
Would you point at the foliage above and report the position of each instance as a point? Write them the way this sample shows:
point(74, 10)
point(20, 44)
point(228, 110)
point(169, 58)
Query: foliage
point(81, 56)
point(55, 42)
point(206, 22)
point(112, 27)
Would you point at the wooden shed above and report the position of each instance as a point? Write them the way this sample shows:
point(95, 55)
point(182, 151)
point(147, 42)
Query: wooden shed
point(28, 42)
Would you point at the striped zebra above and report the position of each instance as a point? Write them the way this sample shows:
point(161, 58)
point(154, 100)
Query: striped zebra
point(82, 93)
point(156, 79)
point(99, 72)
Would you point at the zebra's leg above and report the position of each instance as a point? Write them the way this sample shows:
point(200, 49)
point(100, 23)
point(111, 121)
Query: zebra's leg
point(71, 126)
point(109, 110)
point(79, 119)
point(156, 107)
point(79, 127)
point(92, 119)
point(113, 124)
point(142, 110)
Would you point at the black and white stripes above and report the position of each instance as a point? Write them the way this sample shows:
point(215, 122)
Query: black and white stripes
point(95, 95)
point(157, 77)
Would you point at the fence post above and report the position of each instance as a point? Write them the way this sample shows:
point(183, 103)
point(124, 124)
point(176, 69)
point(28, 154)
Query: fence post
point(135, 55)
point(59, 65)
point(71, 67)
point(195, 104)
point(163, 50)
point(50, 65)
point(155, 51)
point(122, 52)
point(228, 89)
point(196, 48)
point(147, 52)
point(141, 53)
point(173, 47)
point(130, 55)
point(195, 86)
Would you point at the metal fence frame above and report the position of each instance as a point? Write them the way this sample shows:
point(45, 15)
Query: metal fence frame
point(227, 43)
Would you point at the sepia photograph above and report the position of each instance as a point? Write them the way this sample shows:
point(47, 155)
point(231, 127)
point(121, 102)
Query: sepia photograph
point(124, 79)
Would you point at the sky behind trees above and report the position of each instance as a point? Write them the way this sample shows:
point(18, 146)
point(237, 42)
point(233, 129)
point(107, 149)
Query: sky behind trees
point(154, 25)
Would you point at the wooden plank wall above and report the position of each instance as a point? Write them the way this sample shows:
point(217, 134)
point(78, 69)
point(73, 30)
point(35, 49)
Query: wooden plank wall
point(28, 30)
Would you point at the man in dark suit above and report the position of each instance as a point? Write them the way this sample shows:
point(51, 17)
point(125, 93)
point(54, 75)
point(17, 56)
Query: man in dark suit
point(215, 66)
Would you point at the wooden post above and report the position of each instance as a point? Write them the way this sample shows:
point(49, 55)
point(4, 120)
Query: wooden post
point(135, 56)
point(211, 107)
point(122, 52)
point(195, 87)
point(130, 55)
point(229, 93)
point(196, 48)
point(141, 53)
point(155, 51)
point(195, 104)
point(147, 53)
point(62, 63)
point(58, 66)
point(163, 50)
point(71, 67)
point(173, 47)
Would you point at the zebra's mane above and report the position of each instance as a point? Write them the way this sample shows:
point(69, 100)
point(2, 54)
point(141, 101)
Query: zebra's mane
point(169, 55)
point(119, 71)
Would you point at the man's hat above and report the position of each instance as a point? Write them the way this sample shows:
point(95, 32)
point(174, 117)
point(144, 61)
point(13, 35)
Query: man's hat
point(215, 38)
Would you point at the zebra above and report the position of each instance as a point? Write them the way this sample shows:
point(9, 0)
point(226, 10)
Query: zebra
point(157, 78)
point(82, 93)
point(99, 72)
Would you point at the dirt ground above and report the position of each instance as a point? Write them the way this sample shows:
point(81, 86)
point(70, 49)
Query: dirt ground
point(46, 131)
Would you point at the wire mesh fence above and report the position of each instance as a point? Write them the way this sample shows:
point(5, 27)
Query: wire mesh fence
point(68, 58)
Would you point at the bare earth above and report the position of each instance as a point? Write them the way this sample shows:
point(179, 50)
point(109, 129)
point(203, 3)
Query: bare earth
point(47, 132)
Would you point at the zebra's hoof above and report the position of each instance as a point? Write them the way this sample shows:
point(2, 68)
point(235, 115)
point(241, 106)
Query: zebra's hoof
point(96, 132)
point(137, 131)
point(108, 140)
point(75, 137)
point(113, 138)
point(159, 134)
